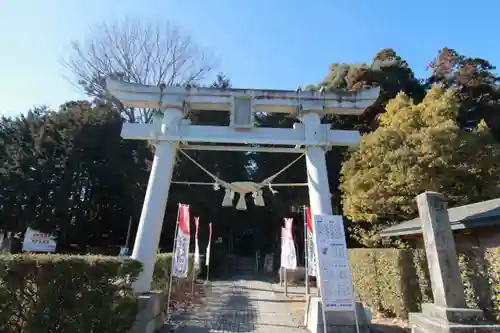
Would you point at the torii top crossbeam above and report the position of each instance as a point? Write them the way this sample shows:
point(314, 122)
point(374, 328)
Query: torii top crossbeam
point(272, 101)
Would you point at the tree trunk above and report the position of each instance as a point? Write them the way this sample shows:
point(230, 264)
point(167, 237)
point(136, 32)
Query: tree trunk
point(5, 242)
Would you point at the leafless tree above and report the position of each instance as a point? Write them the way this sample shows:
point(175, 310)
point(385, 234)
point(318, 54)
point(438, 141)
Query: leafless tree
point(138, 52)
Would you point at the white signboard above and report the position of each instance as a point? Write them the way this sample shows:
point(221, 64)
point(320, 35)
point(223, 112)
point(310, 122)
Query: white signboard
point(36, 241)
point(123, 251)
point(333, 268)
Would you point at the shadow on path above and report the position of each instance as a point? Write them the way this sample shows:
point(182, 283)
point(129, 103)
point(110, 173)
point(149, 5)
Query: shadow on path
point(243, 303)
point(227, 307)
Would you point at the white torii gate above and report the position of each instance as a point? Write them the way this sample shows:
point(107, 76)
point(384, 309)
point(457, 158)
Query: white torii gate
point(174, 132)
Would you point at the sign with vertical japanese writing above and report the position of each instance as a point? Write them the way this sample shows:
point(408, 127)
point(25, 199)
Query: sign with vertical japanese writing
point(288, 253)
point(333, 268)
point(311, 256)
point(181, 252)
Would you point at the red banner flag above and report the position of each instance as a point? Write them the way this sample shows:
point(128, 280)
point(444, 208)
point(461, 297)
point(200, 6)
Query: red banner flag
point(309, 222)
point(181, 251)
point(183, 219)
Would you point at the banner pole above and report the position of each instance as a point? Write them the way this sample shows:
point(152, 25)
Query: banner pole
point(208, 270)
point(356, 315)
point(286, 282)
point(193, 278)
point(172, 264)
point(193, 274)
point(306, 245)
point(127, 241)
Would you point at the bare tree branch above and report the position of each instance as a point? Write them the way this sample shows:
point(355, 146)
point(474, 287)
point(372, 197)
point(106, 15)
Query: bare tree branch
point(138, 52)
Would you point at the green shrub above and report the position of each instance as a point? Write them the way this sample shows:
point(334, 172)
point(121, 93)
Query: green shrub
point(479, 272)
point(363, 274)
point(161, 274)
point(382, 278)
point(493, 258)
point(396, 282)
point(73, 294)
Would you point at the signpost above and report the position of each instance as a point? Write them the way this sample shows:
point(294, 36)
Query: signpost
point(333, 271)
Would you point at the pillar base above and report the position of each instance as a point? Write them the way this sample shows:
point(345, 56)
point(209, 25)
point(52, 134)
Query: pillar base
point(150, 315)
point(438, 319)
point(337, 321)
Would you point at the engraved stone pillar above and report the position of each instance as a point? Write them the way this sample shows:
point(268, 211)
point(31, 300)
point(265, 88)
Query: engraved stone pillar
point(449, 312)
point(444, 271)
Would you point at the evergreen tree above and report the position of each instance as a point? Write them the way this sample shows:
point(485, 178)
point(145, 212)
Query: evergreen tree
point(418, 147)
point(476, 85)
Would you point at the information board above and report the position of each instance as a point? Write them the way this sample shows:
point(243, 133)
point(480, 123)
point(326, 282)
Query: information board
point(36, 241)
point(332, 265)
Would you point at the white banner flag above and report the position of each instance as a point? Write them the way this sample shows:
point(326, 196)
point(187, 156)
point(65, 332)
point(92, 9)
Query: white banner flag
point(311, 256)
point(207, 259)
point(196, 247)
point(288, 254)
point(181, 253)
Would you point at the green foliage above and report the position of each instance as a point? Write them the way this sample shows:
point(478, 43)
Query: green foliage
point(380, 278)
point(396, 282)
point(387, 70)
point(70, 172)
point(59, 294)
point(163, 266)
point(418, 147)
point(476, 85)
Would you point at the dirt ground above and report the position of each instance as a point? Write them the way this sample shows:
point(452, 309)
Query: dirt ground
point(182, 298)
point(379, 323)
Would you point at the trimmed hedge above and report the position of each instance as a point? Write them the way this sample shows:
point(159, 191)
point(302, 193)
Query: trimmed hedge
point(396, 282)
point(77, 294)
point(57, 293)
point(162, 269)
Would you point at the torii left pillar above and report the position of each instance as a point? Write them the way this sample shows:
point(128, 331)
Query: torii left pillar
point(155, 200)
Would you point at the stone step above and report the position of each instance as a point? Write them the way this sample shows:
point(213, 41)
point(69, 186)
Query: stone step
point(454, 315)
point(421, 323)
point(416, 330)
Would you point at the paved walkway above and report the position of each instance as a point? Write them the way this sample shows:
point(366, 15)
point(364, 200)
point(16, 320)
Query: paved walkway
point(240, 305)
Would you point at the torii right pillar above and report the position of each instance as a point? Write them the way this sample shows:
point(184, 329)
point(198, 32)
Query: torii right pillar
point(320, 203)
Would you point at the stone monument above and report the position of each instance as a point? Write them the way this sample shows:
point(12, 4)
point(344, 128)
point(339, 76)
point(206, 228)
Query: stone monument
point(449, 312)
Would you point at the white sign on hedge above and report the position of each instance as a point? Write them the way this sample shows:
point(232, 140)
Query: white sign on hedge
point(36, 241)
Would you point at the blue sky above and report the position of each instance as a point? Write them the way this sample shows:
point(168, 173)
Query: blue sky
point(261, 44)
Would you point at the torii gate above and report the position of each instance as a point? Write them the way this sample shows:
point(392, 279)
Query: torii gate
point(174, 132)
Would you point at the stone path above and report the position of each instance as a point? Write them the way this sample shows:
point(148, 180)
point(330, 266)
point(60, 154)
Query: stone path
point(239, 305)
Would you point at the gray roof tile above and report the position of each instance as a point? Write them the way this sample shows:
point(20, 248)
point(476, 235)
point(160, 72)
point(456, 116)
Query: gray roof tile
point(479, 214)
